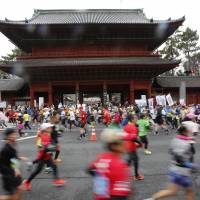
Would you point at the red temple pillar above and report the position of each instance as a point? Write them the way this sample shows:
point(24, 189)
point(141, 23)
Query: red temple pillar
point(132, 98)
point(50, 95)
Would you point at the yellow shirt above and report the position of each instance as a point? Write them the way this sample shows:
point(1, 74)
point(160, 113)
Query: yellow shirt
point(26, 117)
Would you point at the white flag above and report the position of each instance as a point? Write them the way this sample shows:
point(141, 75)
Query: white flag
point(182, 102)
point(150, 102)
point(41, 102)
point(158, 100)
point(169, 100)
point(163, 100)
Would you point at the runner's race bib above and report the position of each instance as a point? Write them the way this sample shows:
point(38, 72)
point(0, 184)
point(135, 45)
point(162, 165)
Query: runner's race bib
point(101, 186)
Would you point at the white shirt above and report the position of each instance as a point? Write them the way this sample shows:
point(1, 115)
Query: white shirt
point(3, 117)
point(63, 114)
point(72, 116)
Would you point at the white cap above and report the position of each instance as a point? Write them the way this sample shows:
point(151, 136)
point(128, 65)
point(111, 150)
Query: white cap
point(191, 126)
point(111, 135)
point(44, 126)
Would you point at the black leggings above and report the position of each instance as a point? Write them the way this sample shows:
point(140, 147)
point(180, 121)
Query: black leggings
point(3, 124)
point(21, 133)
point(40, 166)
point(57, 154)
point(133, 157)
point(70, 124)
point(119, 198)
point(26, 124)
point(144, 140)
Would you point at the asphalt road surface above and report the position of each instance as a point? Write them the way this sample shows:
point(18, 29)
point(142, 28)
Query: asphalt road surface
point(75, 157)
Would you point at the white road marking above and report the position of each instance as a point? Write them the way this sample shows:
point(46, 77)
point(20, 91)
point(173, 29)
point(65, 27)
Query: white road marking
point(25, 138)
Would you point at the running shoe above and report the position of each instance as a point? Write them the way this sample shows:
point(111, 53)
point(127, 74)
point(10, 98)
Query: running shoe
point(155, 133)
point(59, 182)
point(27, 185)
point(25, 134)
point(48, 170)
point(139, 177)
point(147, 152)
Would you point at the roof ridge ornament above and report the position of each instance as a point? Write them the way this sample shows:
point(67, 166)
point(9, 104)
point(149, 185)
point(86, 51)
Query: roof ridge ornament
point(36, 11)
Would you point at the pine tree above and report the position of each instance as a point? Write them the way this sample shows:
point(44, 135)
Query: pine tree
point(189, 47)
point(9, 57)
point(171, 51)
point(12, 56)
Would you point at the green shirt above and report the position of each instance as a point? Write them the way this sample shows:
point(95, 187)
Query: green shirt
point(143, 127)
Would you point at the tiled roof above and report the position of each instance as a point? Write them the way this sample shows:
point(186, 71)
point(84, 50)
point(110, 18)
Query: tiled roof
point(175, 82)
point(92, 61)
point(11, 84)
point(102, 16)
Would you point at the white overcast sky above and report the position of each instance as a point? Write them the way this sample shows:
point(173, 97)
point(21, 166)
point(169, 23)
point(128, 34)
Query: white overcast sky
point(158, 9)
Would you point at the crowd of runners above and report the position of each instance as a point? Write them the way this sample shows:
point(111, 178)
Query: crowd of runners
point(126, 129)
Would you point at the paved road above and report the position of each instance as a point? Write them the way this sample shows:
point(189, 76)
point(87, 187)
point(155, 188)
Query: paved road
point(76, 155)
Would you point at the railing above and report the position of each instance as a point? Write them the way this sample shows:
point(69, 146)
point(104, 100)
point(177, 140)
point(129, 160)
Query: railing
point(197, 75)
point(87, 53)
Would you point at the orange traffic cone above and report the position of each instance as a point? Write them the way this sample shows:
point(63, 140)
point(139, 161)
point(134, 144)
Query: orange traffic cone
point(93, 136)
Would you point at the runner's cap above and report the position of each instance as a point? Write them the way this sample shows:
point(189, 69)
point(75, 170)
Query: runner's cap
point(111, 136)
point(44, 126)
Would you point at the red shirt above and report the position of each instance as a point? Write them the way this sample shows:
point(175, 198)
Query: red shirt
point(45, 140)
point(115, 173)
point(132, 133)
point(106, 116)
point(11, 114)
point(83, 116)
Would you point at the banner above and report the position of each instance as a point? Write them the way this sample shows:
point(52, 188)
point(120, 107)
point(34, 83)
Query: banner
point(41, 102)
point(163, 100)
point(169, 100)
point(158, 100)
point(3, 104)
point(60, 105)
point(140, 102)
point(150, 103)
point(144, 99)
point(182, 102)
